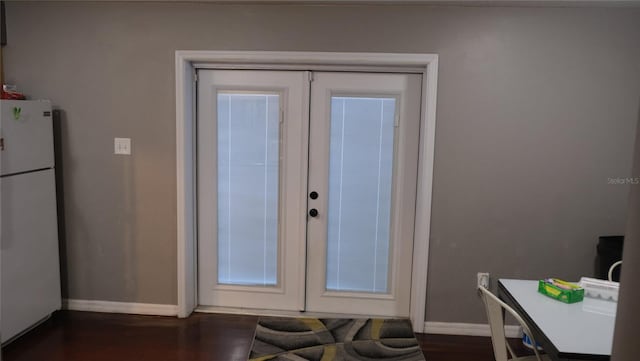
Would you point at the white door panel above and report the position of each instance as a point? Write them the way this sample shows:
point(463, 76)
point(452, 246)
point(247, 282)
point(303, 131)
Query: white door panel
point(364, 141)
point(252, 144)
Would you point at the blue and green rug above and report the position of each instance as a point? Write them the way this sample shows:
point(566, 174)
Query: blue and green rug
point(334, 339)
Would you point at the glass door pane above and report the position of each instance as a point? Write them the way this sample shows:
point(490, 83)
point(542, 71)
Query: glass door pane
point(360, 183)
point(248, 153)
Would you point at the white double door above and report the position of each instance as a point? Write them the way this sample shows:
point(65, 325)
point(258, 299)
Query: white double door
point(306, 190)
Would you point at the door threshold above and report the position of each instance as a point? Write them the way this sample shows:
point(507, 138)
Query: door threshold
point(283, 313)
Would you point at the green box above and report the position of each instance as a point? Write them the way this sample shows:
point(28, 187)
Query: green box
point(561, 294)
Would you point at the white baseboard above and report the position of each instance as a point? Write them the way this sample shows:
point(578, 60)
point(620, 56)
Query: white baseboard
point(443, 328)
point(467, 329)
point(120, 307)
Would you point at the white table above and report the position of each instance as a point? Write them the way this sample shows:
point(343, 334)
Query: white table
point(578, 331)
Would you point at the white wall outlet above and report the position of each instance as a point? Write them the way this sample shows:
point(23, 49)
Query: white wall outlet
point(483, 279)
point(122, 146)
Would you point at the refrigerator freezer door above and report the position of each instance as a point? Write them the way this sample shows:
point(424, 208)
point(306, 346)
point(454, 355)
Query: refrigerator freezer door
point(30, 262)
point(27, 130)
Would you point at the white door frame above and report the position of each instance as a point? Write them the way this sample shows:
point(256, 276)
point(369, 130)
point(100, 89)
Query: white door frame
point(186, 63)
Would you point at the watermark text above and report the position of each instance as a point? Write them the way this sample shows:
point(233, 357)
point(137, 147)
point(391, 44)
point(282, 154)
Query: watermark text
point(623, 181)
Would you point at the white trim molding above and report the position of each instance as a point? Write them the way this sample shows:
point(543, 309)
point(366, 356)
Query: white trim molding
point(480, 3)
point(120, 307)
point(186, 63)
point(468, 329)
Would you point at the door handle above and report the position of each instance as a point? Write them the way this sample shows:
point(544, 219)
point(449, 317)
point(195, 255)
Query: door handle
point(313, 212)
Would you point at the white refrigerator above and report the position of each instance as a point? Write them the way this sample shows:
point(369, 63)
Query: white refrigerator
point(29, 265)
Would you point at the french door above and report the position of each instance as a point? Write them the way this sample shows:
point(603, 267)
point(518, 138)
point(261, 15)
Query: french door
point(306, 190)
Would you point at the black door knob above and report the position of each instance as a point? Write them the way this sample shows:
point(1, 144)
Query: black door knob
point(313, 212)
point(313, 195)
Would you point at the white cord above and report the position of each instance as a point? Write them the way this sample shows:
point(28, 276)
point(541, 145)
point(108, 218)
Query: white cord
point(613, 266)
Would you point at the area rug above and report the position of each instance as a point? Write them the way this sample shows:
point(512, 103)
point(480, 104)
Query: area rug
point(334, 339)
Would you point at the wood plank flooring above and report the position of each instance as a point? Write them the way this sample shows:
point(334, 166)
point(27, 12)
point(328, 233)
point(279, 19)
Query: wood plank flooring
point(88, 336)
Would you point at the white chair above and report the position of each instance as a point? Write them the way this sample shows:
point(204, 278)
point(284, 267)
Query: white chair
point(613, 266)
point(495, 307)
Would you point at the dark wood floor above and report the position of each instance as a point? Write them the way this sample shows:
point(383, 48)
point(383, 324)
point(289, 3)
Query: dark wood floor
point(88, 336)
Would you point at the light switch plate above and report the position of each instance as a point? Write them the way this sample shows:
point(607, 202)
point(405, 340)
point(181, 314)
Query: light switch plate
point(122, 146)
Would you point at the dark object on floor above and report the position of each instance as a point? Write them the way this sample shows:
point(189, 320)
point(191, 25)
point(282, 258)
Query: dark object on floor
point(609, 251)
point(279, 338)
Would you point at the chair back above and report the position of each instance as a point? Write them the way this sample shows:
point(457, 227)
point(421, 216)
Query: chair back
point(494, 307)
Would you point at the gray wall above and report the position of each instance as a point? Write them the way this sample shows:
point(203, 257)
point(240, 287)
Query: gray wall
point(537, 108)
point(625, 344)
